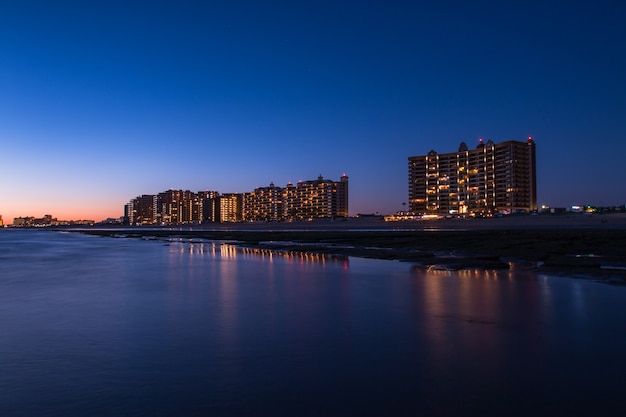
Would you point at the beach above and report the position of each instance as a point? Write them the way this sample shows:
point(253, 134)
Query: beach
point(576, 244)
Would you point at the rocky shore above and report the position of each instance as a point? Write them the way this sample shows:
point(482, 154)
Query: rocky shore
point(575, 246)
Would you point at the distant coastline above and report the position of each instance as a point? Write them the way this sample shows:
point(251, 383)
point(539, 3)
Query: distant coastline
point(573, 245)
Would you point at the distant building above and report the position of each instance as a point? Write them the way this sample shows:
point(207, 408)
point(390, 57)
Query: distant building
point(231, 207)
point(264, 204)
point(30, 221)
point(142, 210)
point(46, 220)
point(209, 205)
point(128, 218)
point(23, 221)
point(112, 220)
point(316, 199)
point(491, 178)
point(340, 197)
point(319, 198)
point(170, 207)
point(179, 207)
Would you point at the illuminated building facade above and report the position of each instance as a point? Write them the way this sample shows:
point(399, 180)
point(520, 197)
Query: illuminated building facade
point(264, 204)
point(340, 197)
point(321, 198)
point(180, 207)
point(231, 207)
point(491, 178)
point(208, 211)
point(23, 221)
point(171, 207)
point(47, 221)
point(142, 210)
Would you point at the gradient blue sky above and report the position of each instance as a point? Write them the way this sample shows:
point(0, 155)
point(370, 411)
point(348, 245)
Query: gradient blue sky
point(104, 101)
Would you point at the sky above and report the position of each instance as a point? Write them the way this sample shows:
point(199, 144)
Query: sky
point(102, 101)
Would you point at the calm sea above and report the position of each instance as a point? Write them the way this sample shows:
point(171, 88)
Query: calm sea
point(95, 326)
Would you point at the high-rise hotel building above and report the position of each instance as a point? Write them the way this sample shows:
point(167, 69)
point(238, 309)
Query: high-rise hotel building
point(264, 204)
point(321, 198)
point(141, 210)
point(494, 177)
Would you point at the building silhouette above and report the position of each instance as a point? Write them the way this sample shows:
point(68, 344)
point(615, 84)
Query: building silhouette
point(141, 210)
point(209, 211)
point(491, 178)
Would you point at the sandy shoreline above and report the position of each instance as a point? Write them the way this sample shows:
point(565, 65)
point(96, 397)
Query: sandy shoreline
point(576, 245)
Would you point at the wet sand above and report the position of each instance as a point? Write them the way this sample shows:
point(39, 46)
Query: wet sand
point(574, 245)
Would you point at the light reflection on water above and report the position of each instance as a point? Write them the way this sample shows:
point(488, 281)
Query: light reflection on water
point(225, 250)
point(97, 326)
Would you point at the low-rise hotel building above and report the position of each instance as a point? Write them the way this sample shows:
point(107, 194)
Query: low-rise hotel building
point(494, 177)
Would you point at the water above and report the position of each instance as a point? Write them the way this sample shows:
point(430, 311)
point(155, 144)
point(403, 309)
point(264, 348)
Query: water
point(124, 327)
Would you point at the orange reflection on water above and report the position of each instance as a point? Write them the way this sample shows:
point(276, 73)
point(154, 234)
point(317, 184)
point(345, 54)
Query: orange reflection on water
point(229, 251)
point(475, 309)
point(293, 256)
